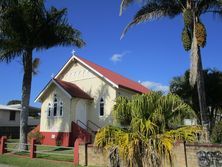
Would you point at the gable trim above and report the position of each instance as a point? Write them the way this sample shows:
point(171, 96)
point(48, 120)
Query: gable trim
point(67, 63)
point(86, 65)
point(47, 86)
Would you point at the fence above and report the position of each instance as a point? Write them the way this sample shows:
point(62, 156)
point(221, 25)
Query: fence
point(35, 150)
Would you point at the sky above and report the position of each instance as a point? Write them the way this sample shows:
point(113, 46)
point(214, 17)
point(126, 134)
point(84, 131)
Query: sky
point(150, 53)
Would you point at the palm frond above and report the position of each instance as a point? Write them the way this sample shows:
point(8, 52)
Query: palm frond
point(122, 111)
point(32, 26)
point(56, 31)
point(7, 3)
point(8, 53)
point(214, 6)
point(35, 66)
point(153, 11)
point(124, 4)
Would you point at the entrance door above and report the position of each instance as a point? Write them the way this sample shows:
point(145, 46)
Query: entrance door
point(81, 114)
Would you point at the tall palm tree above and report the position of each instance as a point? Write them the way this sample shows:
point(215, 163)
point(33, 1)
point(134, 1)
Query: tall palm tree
point(27, 26)
point(147, 128)
point(193, 35)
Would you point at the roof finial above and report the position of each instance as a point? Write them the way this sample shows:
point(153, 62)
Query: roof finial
point(73, 52)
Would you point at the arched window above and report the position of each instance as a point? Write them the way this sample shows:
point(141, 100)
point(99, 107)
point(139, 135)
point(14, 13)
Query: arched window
point(49, 109)
point(55, 104)
point(101, 107)
point(61, 109)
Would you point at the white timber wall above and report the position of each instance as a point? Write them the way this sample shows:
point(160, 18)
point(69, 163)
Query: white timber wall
point(58, 123)
point(96, 87)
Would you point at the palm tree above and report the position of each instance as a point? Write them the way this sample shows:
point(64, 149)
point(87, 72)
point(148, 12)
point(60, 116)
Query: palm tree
point(193, 35)
point(147, 126)
point(27, 26)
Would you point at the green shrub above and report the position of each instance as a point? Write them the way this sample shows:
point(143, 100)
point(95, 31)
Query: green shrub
point(35, 135)
point(216, 136)
point(122, 111)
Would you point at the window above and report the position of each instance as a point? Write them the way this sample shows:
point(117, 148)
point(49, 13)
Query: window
point(101, 107)
point(49, 109)
point(12, 116)
point(61, 109)
point(56, 107)
point(55, 103)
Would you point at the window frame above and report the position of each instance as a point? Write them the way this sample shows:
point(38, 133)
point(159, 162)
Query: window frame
point(61, 106)
point(55, 106)
point(49, 110)
point(101, 106)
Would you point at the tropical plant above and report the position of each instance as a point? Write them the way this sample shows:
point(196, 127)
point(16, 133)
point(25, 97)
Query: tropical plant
point(27, 26)
point(216, 136)
point(193, 35)
point(213, 84)
point(153, 123)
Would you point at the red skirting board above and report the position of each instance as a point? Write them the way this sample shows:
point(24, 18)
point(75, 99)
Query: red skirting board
point(56, 138)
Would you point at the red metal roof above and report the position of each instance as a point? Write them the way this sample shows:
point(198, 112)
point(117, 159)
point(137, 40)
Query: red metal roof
point(73, 89)
point(116, 78)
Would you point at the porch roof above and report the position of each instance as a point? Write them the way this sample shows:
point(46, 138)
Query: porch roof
point(73, 90)
point(70, 89)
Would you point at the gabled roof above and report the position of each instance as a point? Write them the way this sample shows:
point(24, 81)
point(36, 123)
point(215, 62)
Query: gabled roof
point(70, 89)
point(73, 89)
point(115, 79)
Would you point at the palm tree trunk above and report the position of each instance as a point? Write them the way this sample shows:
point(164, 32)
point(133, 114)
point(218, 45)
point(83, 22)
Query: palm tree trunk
point(201, 93)
point(196, 75)
point(26, 90)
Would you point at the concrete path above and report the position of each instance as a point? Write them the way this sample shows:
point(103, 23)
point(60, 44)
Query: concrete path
point(3, 165)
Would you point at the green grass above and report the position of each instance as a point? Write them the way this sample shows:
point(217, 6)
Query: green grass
point(26, 162)
point(55, 150)
point(47, 151)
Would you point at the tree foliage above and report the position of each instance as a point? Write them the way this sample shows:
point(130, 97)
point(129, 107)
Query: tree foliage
point(216, 136)
point(29, 25)
point(213, 85)
point(11, 102)
point(152, 125)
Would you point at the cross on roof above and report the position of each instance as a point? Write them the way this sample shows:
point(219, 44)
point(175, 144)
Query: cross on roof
point(73, 52)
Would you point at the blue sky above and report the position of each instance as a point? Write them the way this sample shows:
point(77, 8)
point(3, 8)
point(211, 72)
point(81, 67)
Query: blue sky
point(150, 52)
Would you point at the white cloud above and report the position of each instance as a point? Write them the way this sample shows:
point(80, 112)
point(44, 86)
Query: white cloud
point(156, 86)
point(117, 57)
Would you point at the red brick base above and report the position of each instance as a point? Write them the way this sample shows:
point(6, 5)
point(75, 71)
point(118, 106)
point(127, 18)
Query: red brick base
point(56, 138)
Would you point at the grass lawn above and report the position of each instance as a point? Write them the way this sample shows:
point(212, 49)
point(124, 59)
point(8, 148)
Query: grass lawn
point(26, 162)
point(47, 152)
point(65, 154)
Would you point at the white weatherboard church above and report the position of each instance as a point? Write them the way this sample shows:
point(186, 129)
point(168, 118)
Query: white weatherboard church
point(79, 100)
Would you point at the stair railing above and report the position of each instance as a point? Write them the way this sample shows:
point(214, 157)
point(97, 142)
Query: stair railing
point(95, 125)
point(87, 128)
